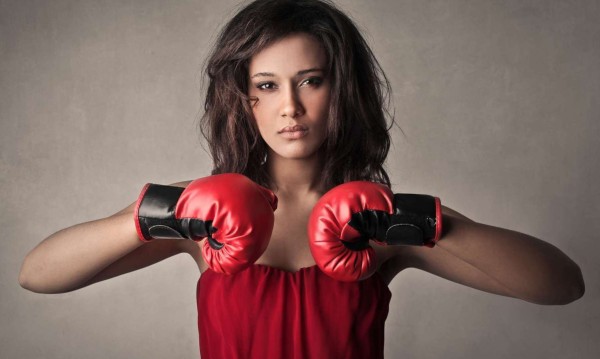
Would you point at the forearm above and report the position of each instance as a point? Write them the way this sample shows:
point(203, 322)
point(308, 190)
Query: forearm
point(70, 257)
point(531, 269)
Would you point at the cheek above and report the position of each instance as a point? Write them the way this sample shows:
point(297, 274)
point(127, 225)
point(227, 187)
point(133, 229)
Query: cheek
point(322, 99)
point(261, 119)
point(322, 106)
point(262, 107)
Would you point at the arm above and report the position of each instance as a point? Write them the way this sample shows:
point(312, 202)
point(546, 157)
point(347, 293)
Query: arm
point(90, 252)
point(499, 261)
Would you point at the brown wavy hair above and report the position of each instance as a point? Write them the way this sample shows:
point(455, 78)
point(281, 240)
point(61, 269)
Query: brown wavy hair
point(358, 137)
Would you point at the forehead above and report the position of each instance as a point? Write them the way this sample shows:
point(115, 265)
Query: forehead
point(288, 55)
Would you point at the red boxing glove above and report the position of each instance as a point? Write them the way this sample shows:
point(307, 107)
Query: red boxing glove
point(349, 215)
point(232, 212)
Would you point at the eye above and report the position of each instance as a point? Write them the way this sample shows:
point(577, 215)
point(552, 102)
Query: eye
point(265, 86)
point(314, 81)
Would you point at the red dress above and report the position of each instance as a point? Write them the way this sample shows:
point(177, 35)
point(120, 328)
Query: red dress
point(264, 312)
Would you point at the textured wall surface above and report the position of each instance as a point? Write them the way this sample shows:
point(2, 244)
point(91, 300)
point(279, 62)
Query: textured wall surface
point(498, 102)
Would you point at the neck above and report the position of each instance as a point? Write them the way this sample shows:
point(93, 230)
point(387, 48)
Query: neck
point(295, 177)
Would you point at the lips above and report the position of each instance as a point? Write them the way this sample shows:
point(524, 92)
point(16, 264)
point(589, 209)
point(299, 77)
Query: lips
point(293, 132)
point(293, 128)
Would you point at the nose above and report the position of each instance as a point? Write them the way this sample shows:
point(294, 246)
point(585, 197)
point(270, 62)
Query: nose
point(291, 106)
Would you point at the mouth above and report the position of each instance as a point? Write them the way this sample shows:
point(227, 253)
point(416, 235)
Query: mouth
point(293, 132)
point(293, 135)
point(294, 128)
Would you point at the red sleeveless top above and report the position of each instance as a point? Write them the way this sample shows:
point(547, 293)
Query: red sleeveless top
point(265, 312)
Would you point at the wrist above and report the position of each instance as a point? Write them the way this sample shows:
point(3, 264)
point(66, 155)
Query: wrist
point(154, 213)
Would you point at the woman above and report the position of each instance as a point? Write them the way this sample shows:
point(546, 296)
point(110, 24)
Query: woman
point(296, 103)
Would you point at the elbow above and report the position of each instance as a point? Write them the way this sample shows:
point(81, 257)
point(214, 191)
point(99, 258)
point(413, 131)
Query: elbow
point(31, 285)
point(25, 280)
point(572, 290)
point(29, 281)
point(575, 289)
point(32, 278)
point(578, 286)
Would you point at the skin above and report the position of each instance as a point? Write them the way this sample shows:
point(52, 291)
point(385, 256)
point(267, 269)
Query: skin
point(484, 257)
point(288, 81)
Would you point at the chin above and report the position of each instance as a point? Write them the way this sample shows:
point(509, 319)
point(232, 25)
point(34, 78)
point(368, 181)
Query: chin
point(295, 155)
point(296, 151)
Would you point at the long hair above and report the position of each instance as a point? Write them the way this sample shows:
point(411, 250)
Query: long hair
point(358, 138)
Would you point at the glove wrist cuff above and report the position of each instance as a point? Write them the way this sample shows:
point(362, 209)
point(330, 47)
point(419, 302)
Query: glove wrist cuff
point(417, 220)
point(154, 213)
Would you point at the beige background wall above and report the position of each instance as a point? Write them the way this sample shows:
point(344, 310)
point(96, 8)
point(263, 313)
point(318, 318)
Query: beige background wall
point(499, 101)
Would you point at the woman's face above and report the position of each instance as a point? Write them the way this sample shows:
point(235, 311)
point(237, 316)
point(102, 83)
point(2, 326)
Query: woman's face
point(288, 79)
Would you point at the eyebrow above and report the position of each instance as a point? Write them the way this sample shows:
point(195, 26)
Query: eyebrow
point(301, 72)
